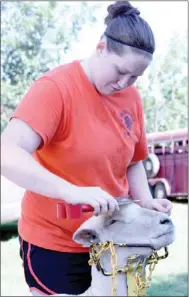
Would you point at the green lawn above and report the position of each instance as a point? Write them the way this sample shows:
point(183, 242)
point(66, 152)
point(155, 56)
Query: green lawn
point(171, 285)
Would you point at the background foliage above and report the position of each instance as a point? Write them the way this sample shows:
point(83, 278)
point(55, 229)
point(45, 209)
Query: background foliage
point(33, 35)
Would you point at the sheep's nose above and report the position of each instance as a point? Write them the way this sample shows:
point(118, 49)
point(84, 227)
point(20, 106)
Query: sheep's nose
point(165, 221)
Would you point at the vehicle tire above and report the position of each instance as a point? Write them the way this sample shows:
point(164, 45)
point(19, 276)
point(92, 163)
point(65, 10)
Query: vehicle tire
point(151, 165)
point(151, 190)
point(160, 191)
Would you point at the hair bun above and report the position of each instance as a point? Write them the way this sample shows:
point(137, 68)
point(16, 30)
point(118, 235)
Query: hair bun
point(120, 8)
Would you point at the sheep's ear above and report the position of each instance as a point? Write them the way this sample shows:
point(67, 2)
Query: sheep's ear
point(86, 237)
point(89, 232)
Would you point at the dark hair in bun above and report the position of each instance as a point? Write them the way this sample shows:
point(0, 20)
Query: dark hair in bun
point(120, 8)
point(125, 27)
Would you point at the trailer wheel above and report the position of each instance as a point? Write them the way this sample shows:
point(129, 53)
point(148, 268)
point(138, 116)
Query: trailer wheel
point(151, 165)
point(151, 188)
point(160, 191)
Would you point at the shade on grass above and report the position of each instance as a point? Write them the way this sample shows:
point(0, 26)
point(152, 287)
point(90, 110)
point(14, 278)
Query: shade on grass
point(170, 285)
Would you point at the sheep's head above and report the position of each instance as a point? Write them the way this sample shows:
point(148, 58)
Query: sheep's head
point(131, 225)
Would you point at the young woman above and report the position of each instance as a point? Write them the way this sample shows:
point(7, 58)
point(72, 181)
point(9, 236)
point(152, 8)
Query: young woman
point(78, 136)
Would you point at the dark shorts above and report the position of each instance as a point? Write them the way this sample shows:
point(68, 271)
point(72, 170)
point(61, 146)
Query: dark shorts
point(50, 272)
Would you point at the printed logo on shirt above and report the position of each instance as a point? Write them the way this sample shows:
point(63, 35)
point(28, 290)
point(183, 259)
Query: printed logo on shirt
point(127, 121)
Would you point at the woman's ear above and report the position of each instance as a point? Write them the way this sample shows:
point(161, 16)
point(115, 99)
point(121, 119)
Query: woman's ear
point(101, 46)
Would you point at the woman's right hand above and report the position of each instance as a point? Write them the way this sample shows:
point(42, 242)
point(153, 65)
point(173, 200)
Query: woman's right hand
point(100, 200)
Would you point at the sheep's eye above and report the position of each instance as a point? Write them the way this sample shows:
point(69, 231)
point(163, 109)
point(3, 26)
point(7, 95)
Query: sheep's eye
point(112, 222)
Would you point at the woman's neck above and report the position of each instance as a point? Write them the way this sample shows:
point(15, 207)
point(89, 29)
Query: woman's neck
point(87, 65)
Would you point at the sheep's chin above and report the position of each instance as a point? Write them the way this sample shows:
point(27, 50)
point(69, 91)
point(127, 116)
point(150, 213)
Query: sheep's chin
point(162, 240)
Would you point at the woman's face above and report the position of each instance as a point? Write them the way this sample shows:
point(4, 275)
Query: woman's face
point(113, 73)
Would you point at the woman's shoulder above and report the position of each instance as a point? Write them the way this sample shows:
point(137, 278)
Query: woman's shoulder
point(61, 73)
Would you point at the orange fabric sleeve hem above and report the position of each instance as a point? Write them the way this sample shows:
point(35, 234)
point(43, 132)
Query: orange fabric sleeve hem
point(42, 109)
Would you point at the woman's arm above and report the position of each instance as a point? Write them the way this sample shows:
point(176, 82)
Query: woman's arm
point(138, 183)
point(18, 142)
point(139, 189)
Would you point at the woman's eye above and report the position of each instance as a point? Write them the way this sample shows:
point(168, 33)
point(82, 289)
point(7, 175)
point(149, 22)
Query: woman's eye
point(121, 73)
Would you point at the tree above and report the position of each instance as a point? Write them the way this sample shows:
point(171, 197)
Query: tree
point(32, 37)
point(164, 88)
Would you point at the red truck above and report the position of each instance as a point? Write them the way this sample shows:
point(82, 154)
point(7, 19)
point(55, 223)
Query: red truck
point(167, 164)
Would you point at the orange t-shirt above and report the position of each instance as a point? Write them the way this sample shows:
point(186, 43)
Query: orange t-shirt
point(88, 139)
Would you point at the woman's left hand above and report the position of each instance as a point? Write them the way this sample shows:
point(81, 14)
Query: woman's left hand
point(162, 205)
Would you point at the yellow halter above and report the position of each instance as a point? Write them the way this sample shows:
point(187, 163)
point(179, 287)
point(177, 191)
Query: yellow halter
point(137, 281)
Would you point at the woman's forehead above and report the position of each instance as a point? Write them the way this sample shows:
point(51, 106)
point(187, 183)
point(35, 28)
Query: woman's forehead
point(131, 63)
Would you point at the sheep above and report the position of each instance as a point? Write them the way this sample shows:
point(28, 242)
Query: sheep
point(131, 225)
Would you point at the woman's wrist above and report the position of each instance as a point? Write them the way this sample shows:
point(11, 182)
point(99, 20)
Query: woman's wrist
point(65, 190)
point(144, 202)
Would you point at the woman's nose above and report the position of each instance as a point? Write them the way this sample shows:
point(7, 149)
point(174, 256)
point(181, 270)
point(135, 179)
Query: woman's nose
point(122, 83)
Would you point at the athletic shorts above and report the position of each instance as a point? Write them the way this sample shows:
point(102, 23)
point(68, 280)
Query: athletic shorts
point(51, 272)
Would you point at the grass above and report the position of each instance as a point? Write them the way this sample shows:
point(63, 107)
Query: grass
point(171, 285)
point(12, 276)
point(9, 231)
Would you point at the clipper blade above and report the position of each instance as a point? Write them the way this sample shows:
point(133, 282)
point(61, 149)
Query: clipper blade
point(125, 200)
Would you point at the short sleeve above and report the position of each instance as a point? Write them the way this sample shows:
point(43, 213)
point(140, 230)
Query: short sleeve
point(141, 148)
point(41, 108)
